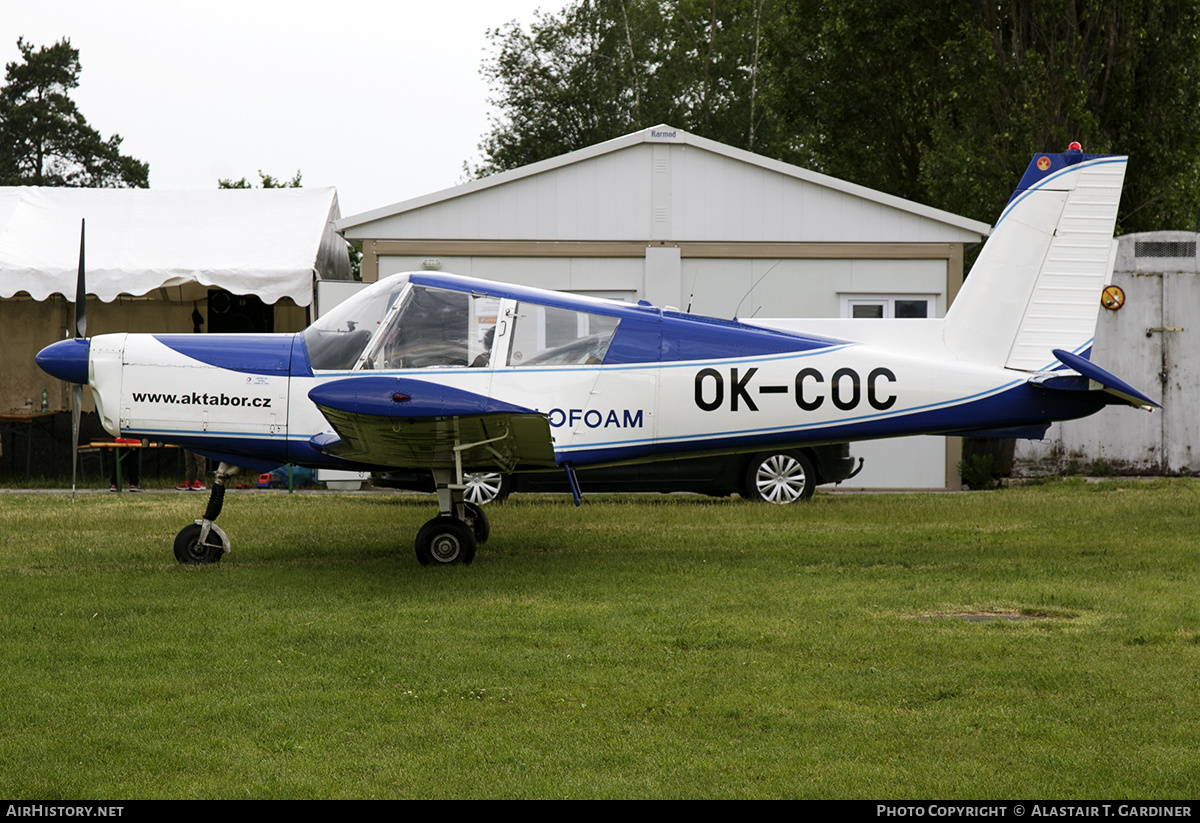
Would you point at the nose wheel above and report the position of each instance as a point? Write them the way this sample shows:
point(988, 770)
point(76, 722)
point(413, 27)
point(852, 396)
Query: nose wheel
point(203, 541)
point(197, 549)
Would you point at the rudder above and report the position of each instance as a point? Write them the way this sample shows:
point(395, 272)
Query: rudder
point(1036, 284)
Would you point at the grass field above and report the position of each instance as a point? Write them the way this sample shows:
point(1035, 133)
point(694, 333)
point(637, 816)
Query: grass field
point(1027, 643)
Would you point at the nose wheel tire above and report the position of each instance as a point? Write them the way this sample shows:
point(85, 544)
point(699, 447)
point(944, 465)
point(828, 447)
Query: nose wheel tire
point(189, 549)
point(445, 540)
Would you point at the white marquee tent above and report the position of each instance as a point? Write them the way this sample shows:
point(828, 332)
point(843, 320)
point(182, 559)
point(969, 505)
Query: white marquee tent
point(266, 242)
point(151, 259)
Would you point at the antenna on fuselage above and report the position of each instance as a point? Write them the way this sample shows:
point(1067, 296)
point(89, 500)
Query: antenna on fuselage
point(752, 285)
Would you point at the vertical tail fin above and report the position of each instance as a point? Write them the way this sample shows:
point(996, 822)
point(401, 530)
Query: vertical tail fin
point(1036, 284)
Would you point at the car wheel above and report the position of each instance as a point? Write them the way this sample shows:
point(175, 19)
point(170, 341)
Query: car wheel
point(779, 477)
point(485, 487)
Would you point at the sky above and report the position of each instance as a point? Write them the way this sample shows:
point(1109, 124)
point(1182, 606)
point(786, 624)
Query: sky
point(382, 100)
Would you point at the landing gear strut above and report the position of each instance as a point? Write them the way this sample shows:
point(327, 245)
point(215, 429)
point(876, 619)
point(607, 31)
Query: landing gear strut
point(204, 541)
point(459, 528)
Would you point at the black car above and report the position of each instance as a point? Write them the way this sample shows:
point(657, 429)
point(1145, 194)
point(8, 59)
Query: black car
point(775, 476)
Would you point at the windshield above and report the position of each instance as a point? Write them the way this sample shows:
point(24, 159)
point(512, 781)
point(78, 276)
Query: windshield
point(337, 340)
point(395, 324)
point(435, 328)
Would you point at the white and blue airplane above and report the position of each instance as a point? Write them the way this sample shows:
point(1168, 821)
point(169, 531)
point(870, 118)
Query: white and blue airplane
point(454, 374)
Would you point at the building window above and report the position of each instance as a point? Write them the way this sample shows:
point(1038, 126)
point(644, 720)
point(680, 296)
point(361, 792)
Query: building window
point(881, 306)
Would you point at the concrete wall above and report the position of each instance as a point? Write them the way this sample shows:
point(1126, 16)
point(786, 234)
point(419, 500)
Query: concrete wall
point(1152, 342)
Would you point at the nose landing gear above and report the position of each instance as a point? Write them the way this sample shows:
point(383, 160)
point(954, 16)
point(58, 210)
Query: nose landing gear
point(203, 541)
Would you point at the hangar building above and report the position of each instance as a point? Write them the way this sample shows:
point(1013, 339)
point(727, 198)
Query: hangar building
point(683, 221)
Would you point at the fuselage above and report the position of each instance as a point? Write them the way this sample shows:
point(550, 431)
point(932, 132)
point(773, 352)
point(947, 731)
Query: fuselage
point(615, 382)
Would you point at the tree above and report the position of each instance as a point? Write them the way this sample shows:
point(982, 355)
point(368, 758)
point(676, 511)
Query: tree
point(604, 68)
point(858, 83)
point(44, 139)
point(265, 181)
point(945, 102)
point(941, 102)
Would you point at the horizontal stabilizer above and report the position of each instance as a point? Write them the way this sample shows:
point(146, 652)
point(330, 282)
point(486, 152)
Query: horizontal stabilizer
point(1093, 378)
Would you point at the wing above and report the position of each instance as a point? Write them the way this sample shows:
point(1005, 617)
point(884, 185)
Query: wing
point(398, 421)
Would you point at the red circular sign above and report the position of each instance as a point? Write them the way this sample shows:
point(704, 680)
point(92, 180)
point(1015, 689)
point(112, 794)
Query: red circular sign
point(1112, 298)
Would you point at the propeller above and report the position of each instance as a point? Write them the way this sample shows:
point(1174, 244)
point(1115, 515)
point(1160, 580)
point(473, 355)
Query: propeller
point(80, 331)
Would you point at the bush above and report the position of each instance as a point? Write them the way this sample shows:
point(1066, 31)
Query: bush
point(978, 472)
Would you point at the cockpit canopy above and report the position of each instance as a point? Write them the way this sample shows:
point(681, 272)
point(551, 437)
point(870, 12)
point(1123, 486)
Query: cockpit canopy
point(337, 340)
point(399, 324)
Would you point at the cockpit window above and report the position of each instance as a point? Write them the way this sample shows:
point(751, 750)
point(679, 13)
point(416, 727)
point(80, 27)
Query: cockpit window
point(547, 336)
point(434, 328)
point(336, 341)
point(397, 325)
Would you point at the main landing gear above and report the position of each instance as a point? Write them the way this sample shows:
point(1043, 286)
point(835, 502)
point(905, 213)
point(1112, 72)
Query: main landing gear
point(459, 528)
point(204, 541)
point(451, 537)
point(461, 525)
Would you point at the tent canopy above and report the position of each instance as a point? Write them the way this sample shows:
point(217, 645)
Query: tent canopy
point(266, 242)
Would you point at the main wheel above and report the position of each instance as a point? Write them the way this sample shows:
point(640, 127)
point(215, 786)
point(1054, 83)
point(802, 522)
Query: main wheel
point(779, 477)
point(189, 549)
point(485, 487)
point(445, 540)
point(479, 523)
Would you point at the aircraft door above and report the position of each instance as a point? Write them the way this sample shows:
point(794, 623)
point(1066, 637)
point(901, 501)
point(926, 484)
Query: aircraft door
point(553, 362)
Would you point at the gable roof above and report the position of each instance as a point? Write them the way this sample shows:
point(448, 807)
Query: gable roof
point(267, 242)
point(356, 226)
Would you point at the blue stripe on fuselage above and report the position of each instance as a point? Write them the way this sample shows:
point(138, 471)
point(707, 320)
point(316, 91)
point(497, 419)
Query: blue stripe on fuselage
point(1012, 406)
point(246, 353)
